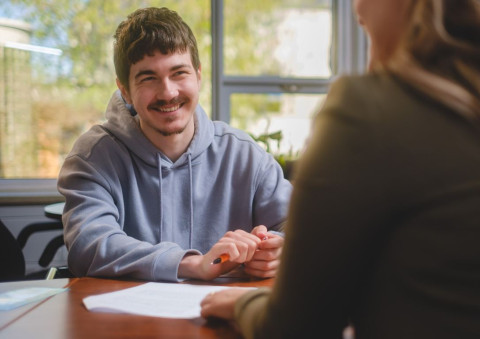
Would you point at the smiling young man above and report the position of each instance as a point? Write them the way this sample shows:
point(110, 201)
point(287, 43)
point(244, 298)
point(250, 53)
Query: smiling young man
point(159, 191)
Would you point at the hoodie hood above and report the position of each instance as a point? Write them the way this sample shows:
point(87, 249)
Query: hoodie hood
point(122, 123)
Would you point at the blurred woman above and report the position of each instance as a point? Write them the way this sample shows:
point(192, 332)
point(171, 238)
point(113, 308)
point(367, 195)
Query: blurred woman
point(384, 223)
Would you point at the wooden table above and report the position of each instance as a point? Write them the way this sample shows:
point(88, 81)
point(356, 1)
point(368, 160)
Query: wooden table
point(65, 316)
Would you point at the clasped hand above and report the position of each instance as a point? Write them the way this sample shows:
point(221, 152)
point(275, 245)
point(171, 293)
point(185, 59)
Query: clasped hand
point(259, 251)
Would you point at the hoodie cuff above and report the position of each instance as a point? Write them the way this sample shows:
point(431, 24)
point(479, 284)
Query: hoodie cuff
point(166, 266)
point(280, 234)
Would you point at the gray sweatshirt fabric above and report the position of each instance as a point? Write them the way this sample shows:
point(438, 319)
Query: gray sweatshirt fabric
point(130, 211)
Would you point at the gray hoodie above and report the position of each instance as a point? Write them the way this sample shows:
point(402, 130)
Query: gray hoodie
point(130, 211)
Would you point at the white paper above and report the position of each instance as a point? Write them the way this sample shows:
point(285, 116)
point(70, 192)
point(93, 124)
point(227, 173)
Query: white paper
point(181, 301)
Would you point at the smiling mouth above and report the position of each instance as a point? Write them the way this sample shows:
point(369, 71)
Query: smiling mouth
point(167, 108)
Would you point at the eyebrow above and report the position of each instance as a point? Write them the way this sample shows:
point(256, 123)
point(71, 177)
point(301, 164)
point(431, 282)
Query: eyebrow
point(150, 72)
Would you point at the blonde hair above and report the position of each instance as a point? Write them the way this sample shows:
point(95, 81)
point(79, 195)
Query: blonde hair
point(439, 53)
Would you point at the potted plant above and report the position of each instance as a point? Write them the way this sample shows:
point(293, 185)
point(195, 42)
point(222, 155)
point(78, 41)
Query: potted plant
point(286, 160)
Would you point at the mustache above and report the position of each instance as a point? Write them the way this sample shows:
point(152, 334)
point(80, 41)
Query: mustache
point(174, 101)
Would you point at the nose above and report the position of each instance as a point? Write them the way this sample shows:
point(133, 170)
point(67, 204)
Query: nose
point(167, 90)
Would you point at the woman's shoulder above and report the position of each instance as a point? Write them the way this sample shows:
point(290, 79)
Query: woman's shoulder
point(370, 83)
point(370, 91)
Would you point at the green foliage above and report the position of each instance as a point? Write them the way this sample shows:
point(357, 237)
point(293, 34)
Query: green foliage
point(84, 30)
point(84, 75)
point(285, 161)
point(266, 138)
point(276, 137)
point(70, 93)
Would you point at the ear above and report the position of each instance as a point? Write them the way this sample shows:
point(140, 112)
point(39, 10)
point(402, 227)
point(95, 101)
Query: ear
point(124, 92)
point(199, 75)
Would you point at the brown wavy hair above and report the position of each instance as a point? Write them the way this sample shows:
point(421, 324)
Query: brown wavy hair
point(147, 30)
point(439, 54)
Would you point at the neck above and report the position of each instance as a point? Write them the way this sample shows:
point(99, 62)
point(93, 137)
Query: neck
point(174, 145)
point(380, 56)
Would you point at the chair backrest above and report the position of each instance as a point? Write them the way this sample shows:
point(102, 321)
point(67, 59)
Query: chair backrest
point(12, 264)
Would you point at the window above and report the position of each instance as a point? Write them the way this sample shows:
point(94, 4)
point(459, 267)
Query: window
point(57, 75)
point(266, 66)
point(289, 51)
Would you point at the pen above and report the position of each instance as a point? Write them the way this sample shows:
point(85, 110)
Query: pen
point(221, 259)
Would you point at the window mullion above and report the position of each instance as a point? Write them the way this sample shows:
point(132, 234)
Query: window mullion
point(220, 100)
point(348, 57)
point(241, 84)
point(349, 50)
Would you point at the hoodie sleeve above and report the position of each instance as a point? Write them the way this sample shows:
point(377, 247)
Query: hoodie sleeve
point(272, 194)
point(96, 241)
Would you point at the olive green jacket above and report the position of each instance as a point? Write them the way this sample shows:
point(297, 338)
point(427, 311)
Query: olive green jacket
point(384, 223)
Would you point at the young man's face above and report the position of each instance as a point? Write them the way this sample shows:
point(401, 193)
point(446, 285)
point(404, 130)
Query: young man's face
point(164, 91)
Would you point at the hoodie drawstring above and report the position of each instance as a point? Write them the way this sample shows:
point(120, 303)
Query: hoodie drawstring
point(160, 178)
point(159, 160)
point(191, 198)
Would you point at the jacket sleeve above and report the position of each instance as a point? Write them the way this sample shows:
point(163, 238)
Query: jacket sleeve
point(330, 231)
point(96, 242)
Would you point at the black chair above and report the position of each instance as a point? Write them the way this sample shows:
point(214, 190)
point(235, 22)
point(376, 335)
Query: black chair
point(12, 265)
point(13, 262)
point(52, 246)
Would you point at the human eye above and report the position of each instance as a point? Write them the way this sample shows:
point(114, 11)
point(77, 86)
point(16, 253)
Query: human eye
point(147, 79)
point(145, 76)
point(180, 73)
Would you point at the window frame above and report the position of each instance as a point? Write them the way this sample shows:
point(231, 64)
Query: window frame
point(349, 56)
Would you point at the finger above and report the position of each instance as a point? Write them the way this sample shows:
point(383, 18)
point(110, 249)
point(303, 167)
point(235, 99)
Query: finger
point(247, 251)
point(267, 255)
point(206, 300)
point(260, 231)
point(227, 249)
point(240, 245)
point(241, 234)
point(246, 244)
point(262, 265)
point(248, 238)
point(272, 241)
point(221, 303)
point(206, 310)
point(211, 268)
point(260, 273)
point(238, 250)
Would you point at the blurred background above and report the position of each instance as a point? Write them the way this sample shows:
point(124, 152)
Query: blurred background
point(266, 68)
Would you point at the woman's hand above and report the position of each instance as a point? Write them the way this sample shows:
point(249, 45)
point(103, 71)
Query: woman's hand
point(221, 304)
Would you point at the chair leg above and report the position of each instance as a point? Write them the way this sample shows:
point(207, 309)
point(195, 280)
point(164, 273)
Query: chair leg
point(51, 273)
